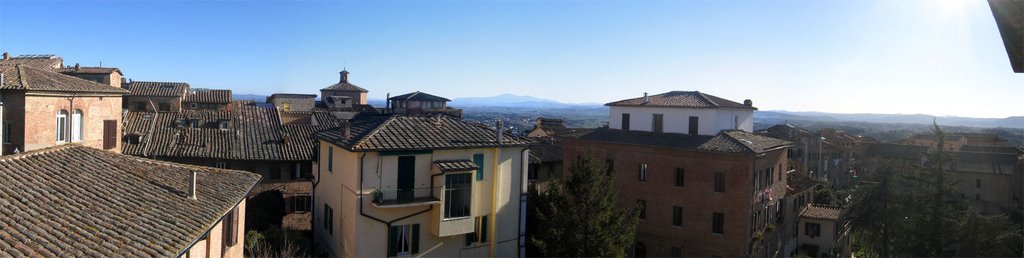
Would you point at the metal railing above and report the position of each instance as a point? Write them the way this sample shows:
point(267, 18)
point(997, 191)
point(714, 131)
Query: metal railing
point(385, 197)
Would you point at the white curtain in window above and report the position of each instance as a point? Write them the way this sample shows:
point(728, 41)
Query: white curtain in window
point(76, 126)
point(62, 126)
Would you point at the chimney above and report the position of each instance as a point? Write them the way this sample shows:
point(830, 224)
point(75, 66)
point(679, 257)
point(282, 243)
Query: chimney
point(346, 130)
point(192, 185)
point(748, 103)
point(500, 129)
point(646, 99)
point(7, 56)
point(387, 103)
point(344, 76)
point(77, 67)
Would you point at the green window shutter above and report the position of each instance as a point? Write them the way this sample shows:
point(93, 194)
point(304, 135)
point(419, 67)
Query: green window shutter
point(479, 160)
point(393, 241)
point(415, 238)
point(483, 229)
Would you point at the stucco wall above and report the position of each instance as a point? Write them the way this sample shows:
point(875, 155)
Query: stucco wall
point(677, 120)
point(356, 235)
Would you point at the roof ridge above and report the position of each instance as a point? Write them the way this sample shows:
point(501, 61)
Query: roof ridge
point(379, 127)
point(35, 152)
point(706, 98)
point(21, 76)
point(730, 137)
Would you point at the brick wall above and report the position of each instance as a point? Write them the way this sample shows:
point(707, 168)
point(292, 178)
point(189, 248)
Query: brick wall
point(38, 117)
point(697, 196)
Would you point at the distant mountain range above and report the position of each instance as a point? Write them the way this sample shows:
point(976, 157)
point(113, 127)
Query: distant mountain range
point(532, 104)
point(509, 100)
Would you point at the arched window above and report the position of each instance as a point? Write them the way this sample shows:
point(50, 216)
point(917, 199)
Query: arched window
point(639, 250)
point(62, 126)
point(76, 126)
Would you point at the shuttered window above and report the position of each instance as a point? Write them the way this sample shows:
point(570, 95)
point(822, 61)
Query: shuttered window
point(109, 134)
point(479, 160)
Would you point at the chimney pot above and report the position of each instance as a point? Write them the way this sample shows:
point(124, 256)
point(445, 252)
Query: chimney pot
point(748, 103)
point(499, 129)
point(646, 99)
point(346, 130)
point(7, 56)
point(192, 185)
point(77, 66)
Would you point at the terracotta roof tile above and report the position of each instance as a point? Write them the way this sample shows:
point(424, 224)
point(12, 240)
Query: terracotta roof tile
point(418, 96)
point(455, 165)
point(824, 212)
point(255, 133)
point(406, 132)
point(157, 89)
point(72, 200)
point(24, 77)
point(209, 96)
point(48, 62)
point(733, 141)
point(681, 99)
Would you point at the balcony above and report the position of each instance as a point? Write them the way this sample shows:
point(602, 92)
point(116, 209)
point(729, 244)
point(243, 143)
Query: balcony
point(397, 198)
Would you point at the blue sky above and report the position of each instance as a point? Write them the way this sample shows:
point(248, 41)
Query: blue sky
point(941, 57)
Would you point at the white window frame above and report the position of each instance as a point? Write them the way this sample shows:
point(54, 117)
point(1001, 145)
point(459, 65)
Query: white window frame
point(77, 123)
point(62, 126)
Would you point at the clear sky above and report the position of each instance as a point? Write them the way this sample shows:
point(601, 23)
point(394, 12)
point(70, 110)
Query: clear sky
point(939, 57)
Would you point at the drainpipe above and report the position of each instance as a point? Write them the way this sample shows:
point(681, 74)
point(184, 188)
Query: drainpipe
point(70, 118)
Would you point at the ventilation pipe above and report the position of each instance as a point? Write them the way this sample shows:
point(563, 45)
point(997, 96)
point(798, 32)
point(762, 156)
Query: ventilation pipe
point(192, 185)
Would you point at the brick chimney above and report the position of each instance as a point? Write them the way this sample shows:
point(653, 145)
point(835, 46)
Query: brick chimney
point(344, 76)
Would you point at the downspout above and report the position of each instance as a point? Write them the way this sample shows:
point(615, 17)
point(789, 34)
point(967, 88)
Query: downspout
point(316, 181)
point(70, 118)
point(387, 223)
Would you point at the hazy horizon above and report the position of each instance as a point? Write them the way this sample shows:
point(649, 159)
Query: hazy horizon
point(941, 58)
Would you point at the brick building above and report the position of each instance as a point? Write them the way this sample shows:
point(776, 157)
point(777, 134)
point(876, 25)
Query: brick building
point(106, 75)
point(344, 92)
point(706, 186)
point(40, 108)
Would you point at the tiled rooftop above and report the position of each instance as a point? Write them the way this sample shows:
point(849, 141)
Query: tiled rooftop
point(418, 96)
point(255, 133)
point(70, 200)
point(48, 62)
point(24, 77)
point(455, 165)
point(89, 69)
point(681, 99)
point(402, 132)
point(823, 212)
point(732, 141)
point(209, 96)
point(157, 89)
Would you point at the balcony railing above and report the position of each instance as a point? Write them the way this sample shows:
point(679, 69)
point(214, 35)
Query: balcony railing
point(405, 197)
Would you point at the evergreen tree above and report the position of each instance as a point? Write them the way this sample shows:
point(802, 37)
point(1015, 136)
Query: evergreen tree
point(878, 214)
point(582, 221)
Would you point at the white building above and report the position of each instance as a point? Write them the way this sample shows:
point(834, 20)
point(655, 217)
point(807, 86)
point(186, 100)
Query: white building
point(419, 186)
point(821, 232)
point(686, 112)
